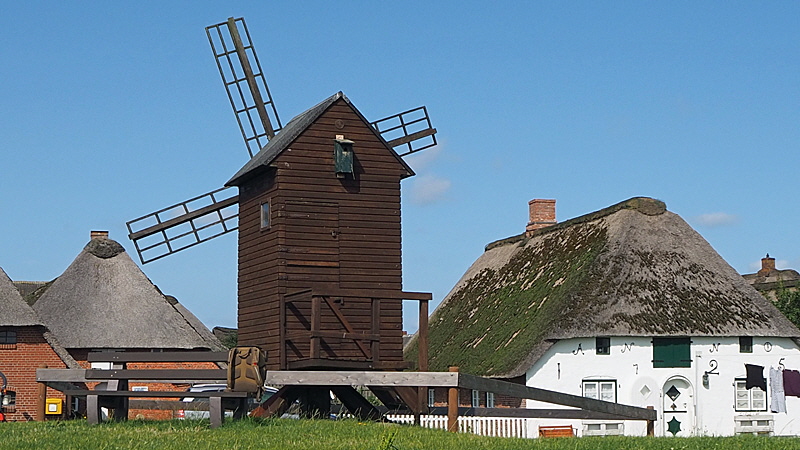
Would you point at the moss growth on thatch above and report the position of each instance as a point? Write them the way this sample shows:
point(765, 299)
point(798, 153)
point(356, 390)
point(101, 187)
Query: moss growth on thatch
point(33, 296)
point(639, 272)
point(495, 319)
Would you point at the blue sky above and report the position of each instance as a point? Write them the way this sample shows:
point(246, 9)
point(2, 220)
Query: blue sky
point(113, 110)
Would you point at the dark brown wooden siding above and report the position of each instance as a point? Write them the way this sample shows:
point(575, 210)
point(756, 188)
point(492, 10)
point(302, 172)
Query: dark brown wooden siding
point(326, 233)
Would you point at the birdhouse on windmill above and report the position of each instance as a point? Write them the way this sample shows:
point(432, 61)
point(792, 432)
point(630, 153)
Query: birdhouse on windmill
point(320, 267)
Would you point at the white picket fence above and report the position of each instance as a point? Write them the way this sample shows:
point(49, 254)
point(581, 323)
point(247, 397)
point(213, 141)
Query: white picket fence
point(483, 426)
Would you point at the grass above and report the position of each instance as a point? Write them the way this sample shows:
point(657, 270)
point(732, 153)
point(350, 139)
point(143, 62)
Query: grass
point(327, 435)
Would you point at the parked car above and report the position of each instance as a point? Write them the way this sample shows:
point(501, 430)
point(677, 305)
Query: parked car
point(197, 407)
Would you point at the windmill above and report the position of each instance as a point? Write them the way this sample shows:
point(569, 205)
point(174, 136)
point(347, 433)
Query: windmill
point(319, 237)
point(198, 219)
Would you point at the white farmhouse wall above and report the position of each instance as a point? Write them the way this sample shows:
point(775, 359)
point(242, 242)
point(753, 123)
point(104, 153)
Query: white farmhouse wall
point(710, 408)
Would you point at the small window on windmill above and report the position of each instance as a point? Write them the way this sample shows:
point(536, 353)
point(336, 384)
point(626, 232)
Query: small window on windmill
point(265, 215)
point(342, 156)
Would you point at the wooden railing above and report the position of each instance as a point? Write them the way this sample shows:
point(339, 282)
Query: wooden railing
point(368, 342)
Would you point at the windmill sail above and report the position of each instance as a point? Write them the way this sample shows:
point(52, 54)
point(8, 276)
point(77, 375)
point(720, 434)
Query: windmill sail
point(185, 224)
point(410, 130)
point(244, 81)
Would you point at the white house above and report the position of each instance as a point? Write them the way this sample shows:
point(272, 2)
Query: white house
point(630, 305)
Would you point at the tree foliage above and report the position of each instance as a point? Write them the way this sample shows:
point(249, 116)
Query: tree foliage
point(788, 302)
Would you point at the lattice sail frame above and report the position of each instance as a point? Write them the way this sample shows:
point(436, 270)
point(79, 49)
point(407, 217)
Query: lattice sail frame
point(184, 224)
point(247, 89)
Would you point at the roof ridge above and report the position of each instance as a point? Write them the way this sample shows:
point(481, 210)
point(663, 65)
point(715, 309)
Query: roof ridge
point(645, 205)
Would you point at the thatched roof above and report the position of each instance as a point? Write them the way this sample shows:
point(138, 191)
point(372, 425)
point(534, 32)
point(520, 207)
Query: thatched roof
point(14, 312)
point(292, 131)
point(103, 300)
point(633, 269)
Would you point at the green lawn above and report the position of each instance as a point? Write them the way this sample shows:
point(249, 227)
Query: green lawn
point(327, 435)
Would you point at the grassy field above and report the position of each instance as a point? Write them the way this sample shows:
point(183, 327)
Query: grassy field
point(327, 435)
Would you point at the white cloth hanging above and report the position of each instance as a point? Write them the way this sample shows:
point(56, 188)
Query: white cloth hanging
point(777, 395)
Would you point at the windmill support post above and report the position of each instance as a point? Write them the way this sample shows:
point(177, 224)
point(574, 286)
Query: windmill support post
point(452, 406)
point(41, 398)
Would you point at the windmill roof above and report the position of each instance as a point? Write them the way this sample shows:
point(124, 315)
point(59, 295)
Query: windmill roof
point(13, 309)
point(290, 132)
point(103, 300)
point(632, 269)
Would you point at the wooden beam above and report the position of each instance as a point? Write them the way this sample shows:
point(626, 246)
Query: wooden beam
point(345, 323)
point(61, 375)
point(375, 328)
point(156, 374)
point(183, 218)
point(316, 321)
point(422, 357)
point(157, 394)
point(295, 335)
point(356, 403)
point(41, 398)
point(363, 378)
point(371, 293)
point(452, 406)
point(527, 413)
point(467, 381)
point(157, 357)
point(411, 137)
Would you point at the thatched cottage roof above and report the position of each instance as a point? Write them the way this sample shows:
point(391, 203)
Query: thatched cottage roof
point(103, 300)
point(633, 269)
point(14, 312)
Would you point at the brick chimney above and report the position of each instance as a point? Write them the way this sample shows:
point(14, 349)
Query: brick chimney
point(542, 214)
point(99, 234)
point(767, 266)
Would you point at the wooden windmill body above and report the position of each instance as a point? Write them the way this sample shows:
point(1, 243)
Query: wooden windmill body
point(320, 269)
point(319, 244)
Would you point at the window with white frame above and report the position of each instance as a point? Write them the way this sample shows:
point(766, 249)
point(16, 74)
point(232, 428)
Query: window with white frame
point(476, 398)
point(490, 399)
point(753, 399)
point(605, 390)
point(431, 397)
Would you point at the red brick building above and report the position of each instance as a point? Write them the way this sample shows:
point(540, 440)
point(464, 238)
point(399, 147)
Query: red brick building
point(25, 344)
point(102, 302)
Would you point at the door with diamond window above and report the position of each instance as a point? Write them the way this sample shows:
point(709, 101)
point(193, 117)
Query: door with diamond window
point(678, 397)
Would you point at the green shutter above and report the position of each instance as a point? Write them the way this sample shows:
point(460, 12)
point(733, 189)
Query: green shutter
point(672, 352)
point(343, 157)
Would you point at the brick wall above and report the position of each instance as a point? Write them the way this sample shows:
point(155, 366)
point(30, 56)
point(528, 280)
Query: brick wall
point(19, 363)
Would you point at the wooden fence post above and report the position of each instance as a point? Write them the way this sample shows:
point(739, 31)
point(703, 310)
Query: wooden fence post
point(41, 398)
point(422, 346)
point(651, 425)
point(452, 406)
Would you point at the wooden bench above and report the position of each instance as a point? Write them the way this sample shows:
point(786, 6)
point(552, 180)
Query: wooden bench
point(116, 396)
point(556, 431)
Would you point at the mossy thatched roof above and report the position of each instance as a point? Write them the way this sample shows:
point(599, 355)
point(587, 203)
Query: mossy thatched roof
point(633, 269)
